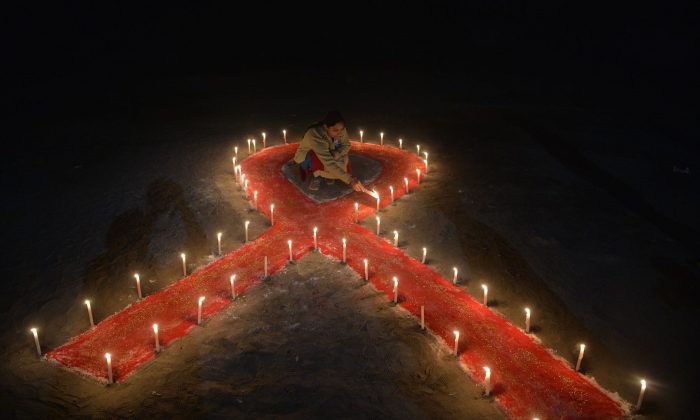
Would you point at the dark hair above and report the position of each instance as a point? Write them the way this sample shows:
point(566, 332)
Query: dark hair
point(332, 118)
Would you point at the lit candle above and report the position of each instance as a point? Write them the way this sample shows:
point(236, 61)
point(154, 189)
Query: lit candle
point(272, 214)
point(456, 333)
point(265, 264)
point(361, 134)
point(580, 356)
point(109, 368)
point(218, 240)
point(378, 223)
point(138, 284)
point(381, 138)
point(527, 320)
point(425, 161)
point(232, 280)
point(641, 393)
point(243, 180)
point(255, 149)
point(396, 238)
point(396, 290)
point(264, 139)
point(289, 242)
point(234, 164)
point(255, 199)
point(248, 146)
point(199, 310)
point(36, 341)
point(400, 143)
point(391, 192)
point(487, 381)
point(89, 308)
point(422, 317)
point(426, 155)
point(235, 150)
point(247, 222)
point(315, 241)
point(425, 254)
point(454, 279)
point(486, 294)
point(405, 182)
point(184, 265)
point(357, 212)
point(377, 195)
point(366, 270)
point(344, 250)
point(417, 148)
point(284, 135)
point(245, 187)
point(235, 173)
point(417, 176)
point(155, 334)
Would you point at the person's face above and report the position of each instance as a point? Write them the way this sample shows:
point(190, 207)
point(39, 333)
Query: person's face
point(334, 131)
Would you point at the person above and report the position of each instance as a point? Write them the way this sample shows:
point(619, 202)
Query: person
point(324, 153)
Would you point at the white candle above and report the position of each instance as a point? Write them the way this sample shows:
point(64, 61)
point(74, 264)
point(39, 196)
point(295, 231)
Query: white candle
point(289, 242)
point(284, 135)
point(381, 138)
point(378, 222)
point(345, 250)
point(357, 212)
point(417, 148)
point(272, 214)
point(255, 149)
point(245, 187)
point(366, 270)
point(235, 150)
point(184, 264)
point(109, 368)
point(582, 348)
point(155, 334)
point(396, 290)
point(247, 222)
point(641, 393)
point(199, 310)
point(425, 254)
point(243, 181)
point(265, 264)
point(396, 238)
point(315, 241)
point(234, 165)
point(264, 139)
point(361, 134)
point(486, 294)
point(89, 309)
point(36, 341)
point(391, 192)
point(232, 280)
point(417, 176)
point(377, 194)
point(426, 155)
point(248, 146)
point(400, 143)
point(425, 161)
point(255, 199)
point(405, 182)
point(218, 240)
point(456, 349)
point(138, 284)
point(487, 381)
point(422, 317)
point(527, 320)
point(454, 279)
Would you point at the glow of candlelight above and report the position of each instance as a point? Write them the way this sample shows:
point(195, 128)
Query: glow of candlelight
point(245, 187)
point(357, 212)
point(315, 241)
point(247, 222)
point(284, 135)
point(289, 242)
point(405, 182)
point(218, 240)
point(361, 135)
point(264, 136)
point(344, 250)
point(425, 161)
point(417, 148)
point(396, 290)
point(272, 214)
point(255, 149)
point(248, 146)
point(378, 223)
point(376, 195)
point(255, 199)
point(396, 238)
point(391, 192)
point(138, 284)
point(400, 143)
point(366, 270)
point(155, 334)
point(487, 381)
point(234, 164)
point(232, 280)
point(184, 264)
point(199, 310)
point(235, 150)
point(486, 294)
point(381, 138)
point(36, 340)
point(109, 367)
point(527, 320)
point(582, 348)
point(454, 279)
point(643, 387)
point(456, 349)
point(89, 309)
point(417, 176)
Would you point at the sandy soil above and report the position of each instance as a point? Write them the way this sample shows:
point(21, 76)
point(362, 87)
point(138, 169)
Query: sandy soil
point(506, 210)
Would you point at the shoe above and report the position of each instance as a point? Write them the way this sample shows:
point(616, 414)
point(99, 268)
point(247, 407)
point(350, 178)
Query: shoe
point(315, 183)
point(330, 181)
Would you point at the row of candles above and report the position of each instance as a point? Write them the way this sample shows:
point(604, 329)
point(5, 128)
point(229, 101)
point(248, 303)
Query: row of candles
point(240, 178)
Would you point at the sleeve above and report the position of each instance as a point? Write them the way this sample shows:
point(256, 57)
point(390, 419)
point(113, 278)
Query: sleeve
point(332, 166)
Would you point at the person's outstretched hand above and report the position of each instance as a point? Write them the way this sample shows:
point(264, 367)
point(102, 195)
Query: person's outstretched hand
point(356, 184)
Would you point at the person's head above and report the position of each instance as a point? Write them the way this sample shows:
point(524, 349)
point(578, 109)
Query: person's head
point(334, 124)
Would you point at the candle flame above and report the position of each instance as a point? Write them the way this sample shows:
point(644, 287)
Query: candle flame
point(374, 194)
point(456, 333)
point(343, 241)
point(201, 299)
point(527, 311)
point(218, 235)
point(644, 384)
point(182, 256)
point(315, 229)
point(485, 287)
point(487, 370)
point(87, 302)
point(583, 347)
point(33, 330)
point(396, 282)
point(108, 357)
point(232, 279)
point(155, 328)
point(247, 222)
point(136, 276)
